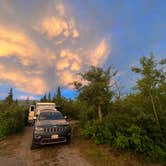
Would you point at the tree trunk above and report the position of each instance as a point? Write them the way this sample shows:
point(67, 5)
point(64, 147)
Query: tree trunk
point(154, 108)
point(155, 114)
point(100, 113)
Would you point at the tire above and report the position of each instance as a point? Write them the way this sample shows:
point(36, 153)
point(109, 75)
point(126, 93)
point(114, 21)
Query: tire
point(68, 140)
point(34, 146)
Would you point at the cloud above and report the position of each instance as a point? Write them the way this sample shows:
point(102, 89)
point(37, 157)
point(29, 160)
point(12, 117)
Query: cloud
point(100, 53)
point(53, 26)
point(23, 97)
point(60, 9)
point(15, 42)
point(48, 49)
point(18, 78)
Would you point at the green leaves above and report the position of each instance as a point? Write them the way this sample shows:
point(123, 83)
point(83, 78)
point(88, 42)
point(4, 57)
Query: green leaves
point(136, 122)
point(12, 120)
point(97, 90)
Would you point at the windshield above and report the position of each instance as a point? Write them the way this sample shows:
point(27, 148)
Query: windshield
point(50, 116)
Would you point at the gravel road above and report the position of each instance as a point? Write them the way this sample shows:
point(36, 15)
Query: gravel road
point(15, 151)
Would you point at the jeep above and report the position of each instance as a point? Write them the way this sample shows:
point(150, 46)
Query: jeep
point(50, 128)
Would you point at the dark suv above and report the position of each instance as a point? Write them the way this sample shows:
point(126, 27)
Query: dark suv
point(50, 127)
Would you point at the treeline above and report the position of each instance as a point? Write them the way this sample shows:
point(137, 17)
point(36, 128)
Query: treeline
point(13, 117)
point(136, 122)
point(68, 107)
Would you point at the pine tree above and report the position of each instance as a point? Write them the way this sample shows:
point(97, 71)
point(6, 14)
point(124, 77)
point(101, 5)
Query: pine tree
point(49, 96)
point(9, 98)
point(58, 99)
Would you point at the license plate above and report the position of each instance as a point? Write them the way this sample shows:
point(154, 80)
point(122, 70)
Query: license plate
point(54, 136)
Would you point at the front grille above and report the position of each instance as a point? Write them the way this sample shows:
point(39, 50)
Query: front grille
point(54, 129)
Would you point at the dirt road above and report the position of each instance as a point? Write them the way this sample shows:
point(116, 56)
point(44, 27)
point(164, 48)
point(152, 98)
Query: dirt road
point(15, 151)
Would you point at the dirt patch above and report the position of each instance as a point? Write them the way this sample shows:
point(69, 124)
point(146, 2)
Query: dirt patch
point(70, 156)
point(15, 151)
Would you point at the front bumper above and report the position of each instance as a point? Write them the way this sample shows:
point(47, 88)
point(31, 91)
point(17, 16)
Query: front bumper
point(45, 138)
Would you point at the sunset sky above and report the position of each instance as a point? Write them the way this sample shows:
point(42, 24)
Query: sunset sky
point(45, 43)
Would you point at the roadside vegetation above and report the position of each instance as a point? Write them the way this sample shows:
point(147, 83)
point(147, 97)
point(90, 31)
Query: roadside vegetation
point(135, 122)
point(13, 117)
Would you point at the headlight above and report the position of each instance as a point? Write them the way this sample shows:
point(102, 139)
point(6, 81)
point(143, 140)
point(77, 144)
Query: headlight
point(39, 130)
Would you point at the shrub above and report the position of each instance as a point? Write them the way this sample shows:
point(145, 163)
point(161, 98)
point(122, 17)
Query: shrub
point(12, 120)
point(123, 132)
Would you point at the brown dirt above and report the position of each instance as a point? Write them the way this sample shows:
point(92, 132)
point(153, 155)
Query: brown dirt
point(15, 151)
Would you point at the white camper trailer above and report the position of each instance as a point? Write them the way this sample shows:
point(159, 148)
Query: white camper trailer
point(43, 106)
point(34, 111)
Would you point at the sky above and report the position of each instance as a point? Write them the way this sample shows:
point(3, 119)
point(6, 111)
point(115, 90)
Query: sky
point(45, 44)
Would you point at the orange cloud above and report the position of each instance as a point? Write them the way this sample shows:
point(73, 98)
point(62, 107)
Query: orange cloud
point(25, 83)
point(75, 66)
point(67, 65)
point(100, 54)
point(62, 64)
point(68, 54)
point(13, 42)
point(55, 25)
point(67, 78)
point(45, 52)
point(75, 33)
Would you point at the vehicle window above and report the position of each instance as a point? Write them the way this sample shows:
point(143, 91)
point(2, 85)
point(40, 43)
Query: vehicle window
point(32, 108)
point(50, 116)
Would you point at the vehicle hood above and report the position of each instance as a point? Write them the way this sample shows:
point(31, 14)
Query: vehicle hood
point(46, 123)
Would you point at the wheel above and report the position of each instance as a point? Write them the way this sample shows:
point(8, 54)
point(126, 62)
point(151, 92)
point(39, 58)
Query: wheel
point(68, 140)
point(34, 146)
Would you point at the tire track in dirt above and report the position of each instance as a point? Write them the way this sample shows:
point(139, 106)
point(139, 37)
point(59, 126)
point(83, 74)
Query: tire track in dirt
point(15, 151)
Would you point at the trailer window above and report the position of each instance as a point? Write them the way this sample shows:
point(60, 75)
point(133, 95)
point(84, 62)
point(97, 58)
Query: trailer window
point(32, 109)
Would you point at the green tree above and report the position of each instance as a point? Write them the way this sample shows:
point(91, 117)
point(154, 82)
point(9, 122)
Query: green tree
point(97, 90)
point(58, 98)
point(49, 96)
point(152, 82)
point(9, 98)
point(58, 92)
point(44, 98)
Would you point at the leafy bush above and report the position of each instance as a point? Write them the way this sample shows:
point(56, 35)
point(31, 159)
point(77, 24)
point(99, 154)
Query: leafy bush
point(124, 131)
point(12, 120)
point(138, 121)
point(100, 133)
point(70, 108)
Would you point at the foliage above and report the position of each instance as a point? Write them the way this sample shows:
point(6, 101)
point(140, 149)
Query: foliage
point(152, 83)
point(49, 97)
point(44, 98)
point(138, 121)
point(9, 98)
point(12, 119)
point(123, 131)
point(97, 90)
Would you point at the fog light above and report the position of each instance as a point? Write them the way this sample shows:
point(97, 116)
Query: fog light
point(37, 136)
